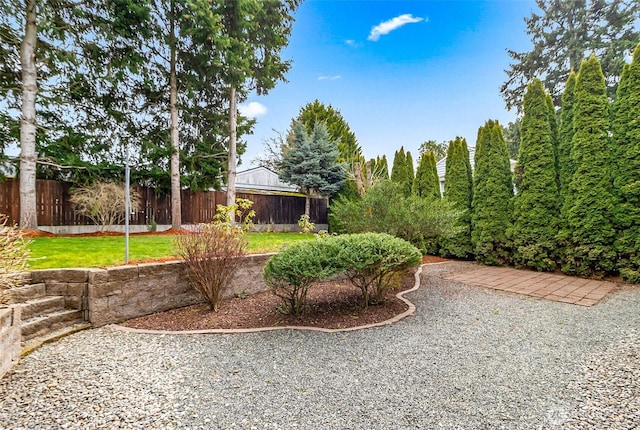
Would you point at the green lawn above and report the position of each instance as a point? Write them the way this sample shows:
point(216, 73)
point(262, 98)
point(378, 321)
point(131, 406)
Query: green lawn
point(64, 252)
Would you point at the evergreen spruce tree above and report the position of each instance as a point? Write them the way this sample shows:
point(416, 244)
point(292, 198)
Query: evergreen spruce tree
point(589, 232)
point(399, 171)
point(626, 135)
point(492, 194)
point(383, 165)
point(458, 189)
point(536, 209)
point(565, 137)
point(426, 183)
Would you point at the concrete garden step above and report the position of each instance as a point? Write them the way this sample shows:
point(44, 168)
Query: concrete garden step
point(28, 292)
point(35, 343)
point(41, 325)
point(41, 306)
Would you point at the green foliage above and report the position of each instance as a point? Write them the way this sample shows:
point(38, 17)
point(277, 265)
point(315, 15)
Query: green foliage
point(337, 127)
point(626, 137)
point(240, 214)
point(371, 259)
point(426, 183)
point(312, 163)
point(589, 205)
point(512, 138)
point(349, 150)
point(411, 173)
point(565, 137)
point(383, 166)
point(536, 209)
point(305, 224)
point(417, 220)
point(291, 272)
point(492, 194)
point(562, 34)
point(458, 191)
point(400, 172)
point(439, 149)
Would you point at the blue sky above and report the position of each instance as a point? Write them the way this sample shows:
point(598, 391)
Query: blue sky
point(400, 72)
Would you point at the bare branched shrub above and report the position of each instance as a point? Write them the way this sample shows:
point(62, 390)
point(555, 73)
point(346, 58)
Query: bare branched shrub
point(14, 257)
point(212, 254)
point(103, 203)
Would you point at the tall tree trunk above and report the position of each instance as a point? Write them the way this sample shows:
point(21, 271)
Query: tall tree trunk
point(28, 216)
point(176, 204)
point(231, 167)
point(307, 204)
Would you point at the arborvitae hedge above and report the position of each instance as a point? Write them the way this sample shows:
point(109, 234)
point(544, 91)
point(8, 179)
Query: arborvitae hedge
point(399, 172)
point(536, 209)
point(383, 166)
point(492, 194)
point(589, 232)
point(565, 136)
point(458, 189)
point(411, 171)
point(426, 183)
point(626, 132)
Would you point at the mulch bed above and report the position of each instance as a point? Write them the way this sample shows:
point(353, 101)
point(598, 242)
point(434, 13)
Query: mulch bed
point(332, 305)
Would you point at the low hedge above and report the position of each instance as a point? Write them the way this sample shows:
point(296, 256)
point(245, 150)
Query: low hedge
point(368, 259)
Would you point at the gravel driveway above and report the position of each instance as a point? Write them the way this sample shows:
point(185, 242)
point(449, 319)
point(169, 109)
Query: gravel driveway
point(470, 358)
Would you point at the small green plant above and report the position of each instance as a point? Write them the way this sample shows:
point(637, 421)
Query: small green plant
point(153, 226)
point(370, 261)
point(14, 257)
point(239, 214)
point(305, 224)
point(291, 272)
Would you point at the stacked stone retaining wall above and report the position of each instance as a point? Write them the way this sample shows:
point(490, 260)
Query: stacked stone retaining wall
point(115, 294)
point(10, 323)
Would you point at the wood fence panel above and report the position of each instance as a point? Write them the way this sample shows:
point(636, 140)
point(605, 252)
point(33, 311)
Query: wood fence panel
point(54, 208)
point(10, 200)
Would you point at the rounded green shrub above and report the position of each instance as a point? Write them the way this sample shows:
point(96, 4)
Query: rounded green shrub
point(291, 272)
point(370, 260)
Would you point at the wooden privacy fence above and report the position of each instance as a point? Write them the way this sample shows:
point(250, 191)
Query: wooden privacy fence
point(54, 208)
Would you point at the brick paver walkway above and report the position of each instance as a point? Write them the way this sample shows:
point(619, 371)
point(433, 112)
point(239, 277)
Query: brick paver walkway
point(561, 288)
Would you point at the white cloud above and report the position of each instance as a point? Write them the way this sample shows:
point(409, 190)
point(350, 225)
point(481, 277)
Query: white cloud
point(252, 110)
point(387, 27)
point(329, 78)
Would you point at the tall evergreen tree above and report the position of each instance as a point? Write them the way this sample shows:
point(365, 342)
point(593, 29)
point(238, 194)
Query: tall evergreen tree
point(553, 124)
point(348, 147)
point(536, 208)
point(426, 183)
point(492, 194)
point(312, 163)
point(458, 189)
point(411, 171)
point(399, 171)
point(564, 32)
point(565, 137)
point(383, 166)
point(589, 232)
point(626, 135)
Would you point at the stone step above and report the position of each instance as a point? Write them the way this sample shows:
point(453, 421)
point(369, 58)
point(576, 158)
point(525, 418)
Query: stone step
point(42, 306)
point(28, 292)
point(48, 323)
point(35, 343)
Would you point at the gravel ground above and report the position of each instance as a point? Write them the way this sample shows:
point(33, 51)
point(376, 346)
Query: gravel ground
point(470, 358)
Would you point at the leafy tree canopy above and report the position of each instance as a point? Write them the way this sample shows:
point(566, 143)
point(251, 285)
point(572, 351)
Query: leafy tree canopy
point(565, 32)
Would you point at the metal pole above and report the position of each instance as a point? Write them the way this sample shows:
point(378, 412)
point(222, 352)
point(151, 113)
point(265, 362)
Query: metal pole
point(127, 206)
